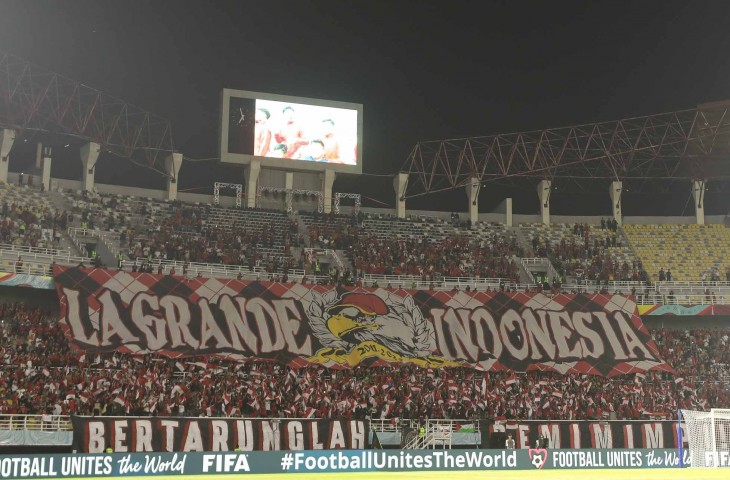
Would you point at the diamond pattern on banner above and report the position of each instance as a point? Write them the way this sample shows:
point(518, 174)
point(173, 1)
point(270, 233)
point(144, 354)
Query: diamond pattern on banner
point(169, 285)
point(94, 319)
point(78, 278)
point(380, 350)
point(209, 289)
point(118, 282)
point(252, 289)
point(298, 292)
point(462, 300)
point(619, 302)
point(584, 303)
point(563, 368)
point(136, 285)
point(427, 300)
point(543, 302)
point(502, 302)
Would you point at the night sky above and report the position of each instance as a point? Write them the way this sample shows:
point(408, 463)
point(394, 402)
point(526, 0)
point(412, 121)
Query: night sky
point(422, 69)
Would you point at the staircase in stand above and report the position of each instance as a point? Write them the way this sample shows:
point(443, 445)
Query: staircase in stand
point(437, 435)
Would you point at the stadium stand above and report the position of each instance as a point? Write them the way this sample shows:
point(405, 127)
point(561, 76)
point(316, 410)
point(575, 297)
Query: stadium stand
point(115, 213)
point(585, 252)
point(153, 230)
point(28, 218)
point(41, 374)
point(331, 230)
point(364, 248)
point(429, 248)
point(705, 250)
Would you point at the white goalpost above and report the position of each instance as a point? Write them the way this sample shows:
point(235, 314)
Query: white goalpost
point(708, 436)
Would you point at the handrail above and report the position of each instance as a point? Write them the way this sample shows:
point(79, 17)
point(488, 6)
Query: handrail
point(660, 299)
point(44, 259)
point(612, 284)
point(387, 425)
point(688, 283)
point(311, 251)
point(376, 277)
point(29, 249)
point(49, 422)
point(540, 262)
point(337, 259)
point(43, 270)
point(533, 260)
point(109, 239)
point(208, 269)
point(43, 423)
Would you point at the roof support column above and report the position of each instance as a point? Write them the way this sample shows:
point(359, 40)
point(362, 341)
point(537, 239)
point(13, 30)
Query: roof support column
point(400, 184)
point(89, 156)
point(508, 211)
point(173, 162)
point(698, 193)
point(328, 180)
point(543, 193)
point(46, 169)
point(7, 138)
point(254, 168)
point(614, 191)
point(289, 186)
point(472, 193)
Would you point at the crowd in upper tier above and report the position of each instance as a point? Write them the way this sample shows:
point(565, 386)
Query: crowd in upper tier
point(587, 252)
point(452, 257)
point(184, 235)
point(41, 374)
point(424, 247)
point(29, 221)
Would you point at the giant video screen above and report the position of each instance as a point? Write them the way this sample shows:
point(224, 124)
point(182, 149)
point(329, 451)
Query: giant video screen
point(291, 132)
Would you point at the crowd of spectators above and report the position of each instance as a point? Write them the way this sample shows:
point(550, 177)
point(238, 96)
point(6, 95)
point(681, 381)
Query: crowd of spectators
point(104, 211)
point(183, 235)
point(586, 254)
point(457, 256)
point(482, 256)
point(338, 232)
point(31, 225)
point(41, 374)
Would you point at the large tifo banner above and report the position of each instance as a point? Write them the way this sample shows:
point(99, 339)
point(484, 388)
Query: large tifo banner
point(361, 461)
point(96, 434)
point(296, 324)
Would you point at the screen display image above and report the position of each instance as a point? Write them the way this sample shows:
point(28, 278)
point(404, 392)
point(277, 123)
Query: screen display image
point(293, 131)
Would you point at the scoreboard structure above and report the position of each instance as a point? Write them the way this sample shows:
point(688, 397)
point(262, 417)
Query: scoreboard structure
point(278, 136)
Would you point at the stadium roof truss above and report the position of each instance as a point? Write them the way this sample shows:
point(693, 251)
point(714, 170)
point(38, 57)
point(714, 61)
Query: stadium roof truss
point(32, 98)
point(687, 144)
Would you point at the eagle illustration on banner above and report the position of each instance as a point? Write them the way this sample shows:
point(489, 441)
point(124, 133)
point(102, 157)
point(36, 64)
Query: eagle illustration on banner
point(356, 326)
